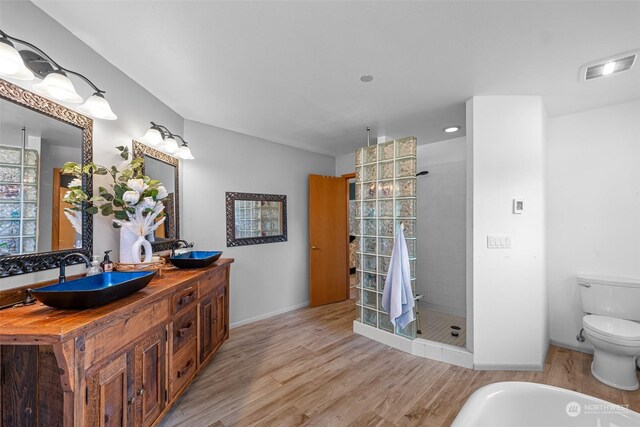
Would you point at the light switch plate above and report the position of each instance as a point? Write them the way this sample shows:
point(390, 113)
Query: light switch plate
point(499, 241)
point(518, 206)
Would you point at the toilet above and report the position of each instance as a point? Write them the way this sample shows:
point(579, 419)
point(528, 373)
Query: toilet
point(611, 326)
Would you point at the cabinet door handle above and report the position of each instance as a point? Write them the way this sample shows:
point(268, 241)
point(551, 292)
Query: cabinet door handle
point(182, 331)
point(185, 299)
point(182, 372)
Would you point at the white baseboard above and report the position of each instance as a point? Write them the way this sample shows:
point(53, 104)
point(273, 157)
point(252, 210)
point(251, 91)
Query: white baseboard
point(440, 352)
point(384, 337)
point(577, 347)
point(267, 315)
point(508, 367)
point(418, 347)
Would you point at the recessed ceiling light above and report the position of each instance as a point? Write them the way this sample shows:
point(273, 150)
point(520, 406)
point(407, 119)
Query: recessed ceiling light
point(366, 78)
point(606, 67)
point(451, 129)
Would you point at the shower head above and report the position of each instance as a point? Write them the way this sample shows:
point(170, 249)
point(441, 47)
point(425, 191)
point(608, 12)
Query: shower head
point(422, 173)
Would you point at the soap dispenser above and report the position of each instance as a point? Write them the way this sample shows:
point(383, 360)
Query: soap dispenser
point(95, 267)
point(106, 263)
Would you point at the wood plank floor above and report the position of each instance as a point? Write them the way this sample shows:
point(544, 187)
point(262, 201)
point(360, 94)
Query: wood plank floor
point(307, 367)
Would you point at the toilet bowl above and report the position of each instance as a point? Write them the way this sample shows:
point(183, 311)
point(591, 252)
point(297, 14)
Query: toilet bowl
point(616, 344)
point(612, 326)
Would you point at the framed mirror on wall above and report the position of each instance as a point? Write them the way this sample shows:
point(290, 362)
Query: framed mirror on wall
point(253, 219)
point(37, 137)
point(166, 169)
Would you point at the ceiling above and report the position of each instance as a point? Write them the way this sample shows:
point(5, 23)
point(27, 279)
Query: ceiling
point(289, 72)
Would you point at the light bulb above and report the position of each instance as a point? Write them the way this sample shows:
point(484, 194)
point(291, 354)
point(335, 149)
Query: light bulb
point(58, 86)
point(608, 68)
point(451, 129)
point(11, 64)
point(170, 145)
point(184, 152)
point(97, 107)
point(153, 137)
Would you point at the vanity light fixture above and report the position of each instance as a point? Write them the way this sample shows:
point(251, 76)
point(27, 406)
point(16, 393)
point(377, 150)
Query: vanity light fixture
point(160, 137)
point(184, 152)
point(11, 64)
point(451, 129)
point(170, 145)
point(153, 137)
point(58, 86)
point(29, 64)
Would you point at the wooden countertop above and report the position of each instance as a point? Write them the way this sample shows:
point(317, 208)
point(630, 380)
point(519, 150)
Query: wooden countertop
point(40, 324)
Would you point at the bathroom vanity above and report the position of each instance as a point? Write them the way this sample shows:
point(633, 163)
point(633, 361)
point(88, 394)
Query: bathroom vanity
point(124, 363)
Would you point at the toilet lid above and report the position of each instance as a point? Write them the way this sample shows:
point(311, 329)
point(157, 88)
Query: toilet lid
point(612, 327)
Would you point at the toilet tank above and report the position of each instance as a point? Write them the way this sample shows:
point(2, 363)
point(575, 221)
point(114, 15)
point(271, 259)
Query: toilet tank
point(612, 297)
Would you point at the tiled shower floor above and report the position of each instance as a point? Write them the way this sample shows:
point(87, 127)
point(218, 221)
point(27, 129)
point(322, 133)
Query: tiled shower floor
point(436, 326)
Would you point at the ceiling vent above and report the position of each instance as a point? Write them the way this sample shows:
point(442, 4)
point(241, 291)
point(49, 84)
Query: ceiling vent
point(606, 67)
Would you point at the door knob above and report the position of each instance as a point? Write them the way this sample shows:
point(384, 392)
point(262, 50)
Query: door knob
point(313, 247)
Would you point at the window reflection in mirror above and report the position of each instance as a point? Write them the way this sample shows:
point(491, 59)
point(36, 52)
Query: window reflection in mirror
point(255, 218)
point(33, 148)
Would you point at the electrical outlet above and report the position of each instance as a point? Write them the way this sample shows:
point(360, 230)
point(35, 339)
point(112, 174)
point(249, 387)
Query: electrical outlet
point(498, 241)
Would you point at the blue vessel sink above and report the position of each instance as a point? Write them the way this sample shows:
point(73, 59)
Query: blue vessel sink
point(195, 259)
point(92, 291)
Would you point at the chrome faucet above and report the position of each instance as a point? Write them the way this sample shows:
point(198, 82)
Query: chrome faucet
point(176, 245)
point(63, 263)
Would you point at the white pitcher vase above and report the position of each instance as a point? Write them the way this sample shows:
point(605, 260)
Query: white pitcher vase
point(142, 242)
point(127, 239)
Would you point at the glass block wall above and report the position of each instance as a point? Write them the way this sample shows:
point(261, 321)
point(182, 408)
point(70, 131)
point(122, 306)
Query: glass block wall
point(385, 198)
point(19, 170)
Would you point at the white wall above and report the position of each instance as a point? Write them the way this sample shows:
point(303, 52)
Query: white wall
point(268, 278)
point(506, 142)
point(134, 106)
point(446, 151)
point(346, 164)
point(442, 226)
point(593, 207)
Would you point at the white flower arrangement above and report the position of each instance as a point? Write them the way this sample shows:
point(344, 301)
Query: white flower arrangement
point(135, 200)
point(140, 224)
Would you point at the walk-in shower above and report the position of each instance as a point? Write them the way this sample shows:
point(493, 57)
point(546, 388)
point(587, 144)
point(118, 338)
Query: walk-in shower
point(441, 285)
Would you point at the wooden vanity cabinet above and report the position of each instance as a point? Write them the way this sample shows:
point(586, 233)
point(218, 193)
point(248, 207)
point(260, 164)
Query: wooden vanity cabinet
point(150, 377)
point(108, 392)
point(130, 389)
point(214, 320)
point(127, 362)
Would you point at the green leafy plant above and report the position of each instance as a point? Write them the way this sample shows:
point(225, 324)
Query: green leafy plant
point(131, 192)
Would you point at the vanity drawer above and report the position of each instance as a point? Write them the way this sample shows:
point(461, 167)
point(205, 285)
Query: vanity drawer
point(213, 280)
point(184, 299)
point(184, 329)
point(182, 368)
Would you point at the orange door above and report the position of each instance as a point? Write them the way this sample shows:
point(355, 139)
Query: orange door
point(328, 259)
point(63, 235)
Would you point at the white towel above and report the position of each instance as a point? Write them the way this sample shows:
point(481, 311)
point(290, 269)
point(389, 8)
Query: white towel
point(397, 298)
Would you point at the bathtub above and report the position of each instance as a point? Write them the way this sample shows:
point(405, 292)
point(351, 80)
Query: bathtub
point(521, 404)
